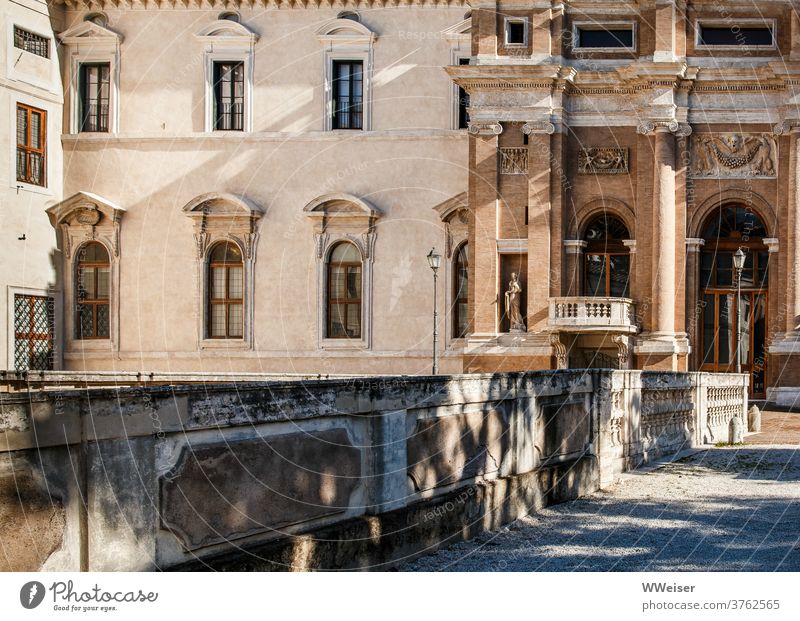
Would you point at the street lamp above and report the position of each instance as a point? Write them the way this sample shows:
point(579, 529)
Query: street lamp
point(738, 264)
point(433, 260)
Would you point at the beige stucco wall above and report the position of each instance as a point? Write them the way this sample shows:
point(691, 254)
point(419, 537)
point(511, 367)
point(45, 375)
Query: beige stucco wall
point(27, 265)
point(411, 161)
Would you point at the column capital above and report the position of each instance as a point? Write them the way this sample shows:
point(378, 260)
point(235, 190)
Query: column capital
point(485, 128)
point(771, 243)
point(694, 244)
point(786, 126)
point(538, 127)
point(575, 246)
point(630, 244)
point(649, 126)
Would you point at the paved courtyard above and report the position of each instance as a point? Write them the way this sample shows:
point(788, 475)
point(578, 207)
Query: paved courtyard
point(720, 509)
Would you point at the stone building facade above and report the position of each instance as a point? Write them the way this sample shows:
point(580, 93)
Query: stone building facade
point(254, 186)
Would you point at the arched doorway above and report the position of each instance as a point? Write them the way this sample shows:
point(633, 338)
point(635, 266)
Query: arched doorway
point(722, 338)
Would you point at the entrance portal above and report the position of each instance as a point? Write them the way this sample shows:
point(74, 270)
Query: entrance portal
point(730, 329)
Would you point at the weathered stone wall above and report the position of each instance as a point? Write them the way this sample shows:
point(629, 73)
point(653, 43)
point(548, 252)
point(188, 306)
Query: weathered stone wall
point(337, 473)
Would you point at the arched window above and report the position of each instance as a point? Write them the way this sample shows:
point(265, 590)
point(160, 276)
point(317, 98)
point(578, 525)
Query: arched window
point(225, 290)
point(607, 264)
point(93, 292)
point(344, 292)
point(460, 281)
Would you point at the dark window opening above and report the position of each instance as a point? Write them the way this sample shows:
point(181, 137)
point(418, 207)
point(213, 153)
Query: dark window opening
point(515, 32)
point(463, 101)
point(30, 42)
point(348, 92)
point(460, 291)
point(95, 88)
point(229, 96)
point(602, 37)
point(734, 35)
point(93, 301)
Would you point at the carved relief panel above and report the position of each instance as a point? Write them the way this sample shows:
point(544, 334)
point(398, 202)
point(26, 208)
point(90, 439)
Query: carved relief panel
point(734, 155)
point(603, 161)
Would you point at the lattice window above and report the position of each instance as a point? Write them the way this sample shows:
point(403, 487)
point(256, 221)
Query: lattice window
point(30, 42)
point(31, 136)
point(33, 332)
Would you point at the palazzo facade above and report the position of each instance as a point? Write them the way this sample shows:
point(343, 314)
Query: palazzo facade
point(254, 186)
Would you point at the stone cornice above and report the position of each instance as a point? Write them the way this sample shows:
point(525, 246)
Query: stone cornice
point(235, 4)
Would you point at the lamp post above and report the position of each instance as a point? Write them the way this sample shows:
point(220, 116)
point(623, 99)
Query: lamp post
point(738, 264)
point(433, 260)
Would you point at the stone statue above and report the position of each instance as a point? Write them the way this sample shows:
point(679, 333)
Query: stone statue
point(512, 305)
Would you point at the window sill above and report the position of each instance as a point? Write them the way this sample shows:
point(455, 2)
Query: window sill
point(237, 344)
point(344, 344)
point(79, 345)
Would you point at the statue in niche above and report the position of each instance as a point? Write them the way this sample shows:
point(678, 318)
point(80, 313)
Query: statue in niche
point(512, 305)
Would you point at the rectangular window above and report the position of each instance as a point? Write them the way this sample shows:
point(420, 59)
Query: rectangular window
point(95, 87)
point(229, 96)
point(515, 32)
point(605, 37)
point(463, 101)
point(736, 35)
point(33, 332)
point(348, 93)
point(31, 143)
point(30, 42)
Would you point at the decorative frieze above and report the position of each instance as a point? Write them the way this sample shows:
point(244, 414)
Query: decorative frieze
point(513, 160)
point(734, 155)
point(603, 161)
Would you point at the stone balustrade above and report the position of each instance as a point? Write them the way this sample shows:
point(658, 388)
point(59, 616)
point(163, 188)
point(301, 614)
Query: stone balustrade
point(336, 473)
point(592, 314)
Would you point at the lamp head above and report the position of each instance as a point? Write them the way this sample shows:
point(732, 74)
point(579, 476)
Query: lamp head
point(738, 259)
point(434, 259)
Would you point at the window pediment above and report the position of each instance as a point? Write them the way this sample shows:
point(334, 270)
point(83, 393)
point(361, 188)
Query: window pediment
point(342, 207)
point(227, 32)
point(345, 32)
point(459, 31)
point(84, 209)
point(453, 208)
point(90, 32)
point(221, 204)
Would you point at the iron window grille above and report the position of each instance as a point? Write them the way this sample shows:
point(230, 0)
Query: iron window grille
point(34, 321)
point(348, 94)
point(31, 42)
point(229, 96)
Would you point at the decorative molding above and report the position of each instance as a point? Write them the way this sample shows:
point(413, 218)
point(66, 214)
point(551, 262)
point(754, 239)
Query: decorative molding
point(771, 243)
point(734, 155)
point(649, 126)
point(513, 160)
point(559, 351)
point(694, 244)
point(512, 246)
point(786, 126)
point(152, 5)
point(485, 129)
point(603, 161)
point(630, 244)
point(538, 127)
point(575, 246)
point(228, 34)
point(623, 349)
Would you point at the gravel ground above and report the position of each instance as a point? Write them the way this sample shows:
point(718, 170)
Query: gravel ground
point(722, 509)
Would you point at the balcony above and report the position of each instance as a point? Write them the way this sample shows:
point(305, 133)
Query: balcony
point(589, 314)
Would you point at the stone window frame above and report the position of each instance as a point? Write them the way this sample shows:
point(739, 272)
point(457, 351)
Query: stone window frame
point(85, 217)
point(460, 39)
point(454, 215)
point(223, 217)
point(340, 218)
point(771, 23)
point(225, 40)
point(603, 25)
point(526, 31)
point(90, 43)
point(342, 40)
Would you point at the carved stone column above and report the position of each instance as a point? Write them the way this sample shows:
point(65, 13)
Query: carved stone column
point(661, 348)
